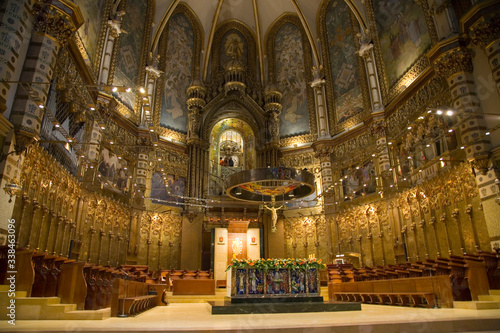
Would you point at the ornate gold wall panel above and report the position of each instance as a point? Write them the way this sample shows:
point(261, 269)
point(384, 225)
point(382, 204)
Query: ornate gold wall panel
point(54, 209)
point(440, 217)
point(161, 239)
point(305, 236)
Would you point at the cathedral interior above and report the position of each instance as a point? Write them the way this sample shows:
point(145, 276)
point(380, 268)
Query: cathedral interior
point(122, 121)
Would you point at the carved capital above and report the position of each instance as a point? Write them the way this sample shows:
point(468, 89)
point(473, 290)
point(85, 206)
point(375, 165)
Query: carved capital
point(485, 31)
point(481, 163)
point(454, 61)
point(53, 21)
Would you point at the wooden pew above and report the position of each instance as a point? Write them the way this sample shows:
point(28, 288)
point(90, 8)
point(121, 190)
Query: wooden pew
point(440, 286)
point(131, 297)
point(72, 288)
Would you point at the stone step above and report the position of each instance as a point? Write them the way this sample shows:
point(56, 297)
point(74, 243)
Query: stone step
point(88, 314)
point(491, 298)
point(42, 301)
point(476, 305)
point(494, 291)
point(4, 287)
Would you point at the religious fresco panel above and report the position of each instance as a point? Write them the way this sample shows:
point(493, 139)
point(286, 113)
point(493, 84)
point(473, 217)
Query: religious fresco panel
point(179, 66)
point(129, 52)
point(343, 62)
point(167, 191)
point(113, 171)
point(291, 81)
point(233, 46)
point(402, 32)
point(359, 181)
point(92, 12)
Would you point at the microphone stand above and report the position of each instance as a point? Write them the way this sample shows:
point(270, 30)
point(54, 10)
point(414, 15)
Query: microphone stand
point(123, 314)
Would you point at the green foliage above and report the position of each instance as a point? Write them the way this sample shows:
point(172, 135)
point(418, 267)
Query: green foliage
point(267, 264)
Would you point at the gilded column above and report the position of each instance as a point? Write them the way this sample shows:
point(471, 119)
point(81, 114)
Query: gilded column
point(318, 85)
point(197, 171)
point(272, 106)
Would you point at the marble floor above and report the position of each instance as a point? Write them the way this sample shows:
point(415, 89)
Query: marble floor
point(185, 317)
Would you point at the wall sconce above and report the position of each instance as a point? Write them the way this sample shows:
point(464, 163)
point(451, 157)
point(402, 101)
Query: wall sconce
point(12, 189)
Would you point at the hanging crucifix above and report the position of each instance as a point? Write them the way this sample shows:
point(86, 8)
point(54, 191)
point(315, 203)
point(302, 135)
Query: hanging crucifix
point(273, 210)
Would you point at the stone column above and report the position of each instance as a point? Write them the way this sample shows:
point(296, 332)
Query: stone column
point(52, 29)
point(152, 74)
point(366, 52)
point(15, 30)
point(112, 34)
point(485, 33)
point(378, 130)
point(456, 67)
point(318, 85)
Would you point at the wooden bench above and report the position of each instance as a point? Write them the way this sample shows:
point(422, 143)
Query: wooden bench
point(136, 305)
point(131, 297)
point(421, 299)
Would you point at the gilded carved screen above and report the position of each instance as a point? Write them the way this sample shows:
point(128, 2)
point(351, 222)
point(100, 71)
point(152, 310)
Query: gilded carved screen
point(129, 52)
point(343, 62)
point(178, 69)
point(291, 80)
point(402, 33)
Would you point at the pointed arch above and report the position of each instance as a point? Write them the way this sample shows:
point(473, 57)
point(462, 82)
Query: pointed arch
point(298, 95)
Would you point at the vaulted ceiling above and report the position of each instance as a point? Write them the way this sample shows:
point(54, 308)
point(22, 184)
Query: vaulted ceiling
point(257, 15)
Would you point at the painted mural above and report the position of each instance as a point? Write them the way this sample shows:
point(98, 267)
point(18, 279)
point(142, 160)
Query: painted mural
point(233, 46)
point(402, 31)
point(179, 64)
point(359, 181)
point(167, 191)
point(129, 52)
point(343, 64)
point(113, 171)
point(92, 12)
point(291, 81)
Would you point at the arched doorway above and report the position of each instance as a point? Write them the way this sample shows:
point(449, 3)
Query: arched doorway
point(232, 149)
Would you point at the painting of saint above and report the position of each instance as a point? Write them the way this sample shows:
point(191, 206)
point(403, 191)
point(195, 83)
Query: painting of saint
point(359, 181)
point(179, 63)
point(343, 65)
point(233, 46)
point(167, 191)
point(129, 52)
point(113, 171)
point(291, 81)
point(402, 31)
point(88, 32)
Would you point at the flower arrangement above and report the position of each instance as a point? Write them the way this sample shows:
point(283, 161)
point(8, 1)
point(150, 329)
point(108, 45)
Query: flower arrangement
point(266, 264)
